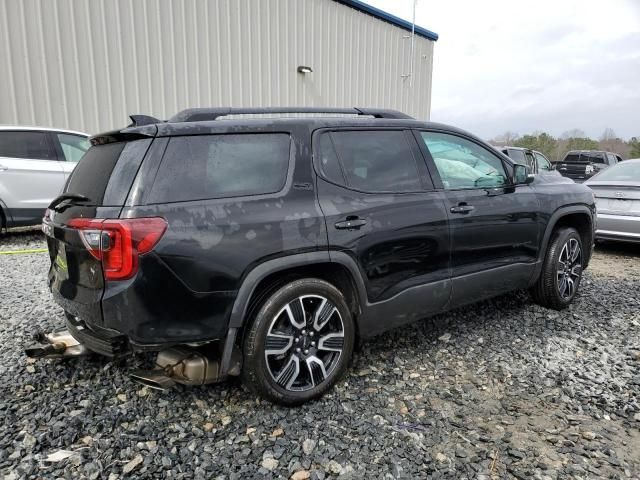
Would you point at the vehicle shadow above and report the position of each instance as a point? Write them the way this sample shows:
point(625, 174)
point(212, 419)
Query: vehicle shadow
point(626, 249)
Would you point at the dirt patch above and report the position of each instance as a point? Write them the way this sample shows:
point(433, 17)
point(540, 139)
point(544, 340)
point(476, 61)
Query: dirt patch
point(618, 260)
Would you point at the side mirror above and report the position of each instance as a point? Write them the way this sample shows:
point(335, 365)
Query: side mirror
point(522, 174)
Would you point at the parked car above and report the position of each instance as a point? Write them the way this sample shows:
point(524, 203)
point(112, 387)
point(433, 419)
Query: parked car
point(265, 247)
point(617, 192)
point(580, 165)
point(535, 160)
point(35, 163)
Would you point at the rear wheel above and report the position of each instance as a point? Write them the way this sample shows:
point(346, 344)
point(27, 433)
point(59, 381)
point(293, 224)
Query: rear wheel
point(562, 270)
point(300, 342)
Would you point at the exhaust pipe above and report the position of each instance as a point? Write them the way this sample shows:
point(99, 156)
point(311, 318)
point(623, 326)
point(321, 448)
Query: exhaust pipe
point(57, 345)
point(182, 365)
point(155, 379)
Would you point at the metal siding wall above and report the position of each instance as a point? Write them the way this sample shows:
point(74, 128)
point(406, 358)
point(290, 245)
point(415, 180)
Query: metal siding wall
point(86, 65)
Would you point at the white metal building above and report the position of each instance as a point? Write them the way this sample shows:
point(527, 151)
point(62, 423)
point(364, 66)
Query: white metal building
point(87, 64)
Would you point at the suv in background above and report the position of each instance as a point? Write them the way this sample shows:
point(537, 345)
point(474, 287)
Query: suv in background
point(265, 247)
point(580, 165)
point(35, 163)
point(535, 160)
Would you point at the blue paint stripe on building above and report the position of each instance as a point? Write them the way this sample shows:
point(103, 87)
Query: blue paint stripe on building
point(387, 17)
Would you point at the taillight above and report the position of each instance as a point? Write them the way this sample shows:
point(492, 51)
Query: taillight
point(117, 243)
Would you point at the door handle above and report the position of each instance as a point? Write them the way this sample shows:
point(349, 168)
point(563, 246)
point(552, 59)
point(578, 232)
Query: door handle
point(462, 208)
point(3, 168)
point(351, 222)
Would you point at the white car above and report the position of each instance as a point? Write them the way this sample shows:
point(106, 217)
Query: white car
point(34, 166)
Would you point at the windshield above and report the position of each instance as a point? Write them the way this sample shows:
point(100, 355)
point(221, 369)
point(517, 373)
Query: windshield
point(621, 172)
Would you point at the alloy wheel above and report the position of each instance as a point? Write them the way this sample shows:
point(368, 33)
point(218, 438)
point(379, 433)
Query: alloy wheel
point(304, 343)
point(569, 268)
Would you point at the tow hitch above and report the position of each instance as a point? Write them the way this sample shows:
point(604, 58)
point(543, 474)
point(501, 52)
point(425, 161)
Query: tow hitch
point(56, 345)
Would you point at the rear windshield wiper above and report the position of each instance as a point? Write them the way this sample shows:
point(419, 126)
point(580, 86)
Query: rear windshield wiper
point(68, 196)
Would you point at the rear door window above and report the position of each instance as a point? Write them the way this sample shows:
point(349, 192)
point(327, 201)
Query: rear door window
point(32, 145)
point(221, 166)
point(370, 161)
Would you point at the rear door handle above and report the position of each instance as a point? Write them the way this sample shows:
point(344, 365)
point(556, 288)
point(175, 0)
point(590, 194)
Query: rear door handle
point(351, 222)
point(462, 208)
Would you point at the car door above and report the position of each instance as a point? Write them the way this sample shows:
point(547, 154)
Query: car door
point(71, 148)
point(494, 225)
point(30, 175)
point(382, 211)
point(542, 163)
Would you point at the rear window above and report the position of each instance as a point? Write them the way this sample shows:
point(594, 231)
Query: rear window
point(592, 157)
point(91, 175)
point(516, 155)
point(220, 166)
point(621, 172)
point(572, 157)
point(27, 145)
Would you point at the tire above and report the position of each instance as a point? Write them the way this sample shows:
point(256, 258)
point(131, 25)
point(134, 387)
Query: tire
point(561, 272)
point(299, 344)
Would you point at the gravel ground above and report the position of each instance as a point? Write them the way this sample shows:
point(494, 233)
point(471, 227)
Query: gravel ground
point(500, 389)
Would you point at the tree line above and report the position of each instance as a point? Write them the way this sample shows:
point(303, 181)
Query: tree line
point(556, 148)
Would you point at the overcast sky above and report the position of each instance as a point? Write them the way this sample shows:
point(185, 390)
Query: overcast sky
point(549, 65)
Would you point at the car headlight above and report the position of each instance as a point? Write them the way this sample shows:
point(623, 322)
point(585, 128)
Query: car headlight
point(588, 169)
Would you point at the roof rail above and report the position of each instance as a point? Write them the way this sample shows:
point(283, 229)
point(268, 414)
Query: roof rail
point(204, 114)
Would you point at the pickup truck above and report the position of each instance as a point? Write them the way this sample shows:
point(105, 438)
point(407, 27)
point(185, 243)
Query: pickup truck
point(581, 165)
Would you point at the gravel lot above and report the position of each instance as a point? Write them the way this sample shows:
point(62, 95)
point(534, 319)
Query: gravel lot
point(500, 389)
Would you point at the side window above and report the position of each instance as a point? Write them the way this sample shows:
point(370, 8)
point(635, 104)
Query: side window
point(529, 160)
point(26, 144)
point(543, 163)
point(329, 163)
point(462, 163)
point(375, 161)
point(612, 158)
point(219, 166)
point(73, 146)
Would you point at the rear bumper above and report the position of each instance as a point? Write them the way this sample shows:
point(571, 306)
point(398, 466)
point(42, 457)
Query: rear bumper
point(618, 227)
point(105, 342)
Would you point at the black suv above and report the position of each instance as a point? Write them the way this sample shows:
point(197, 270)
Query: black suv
point(265, 247)
point(581, 165)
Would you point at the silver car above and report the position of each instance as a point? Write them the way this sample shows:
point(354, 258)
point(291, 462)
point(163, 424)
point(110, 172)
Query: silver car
point(34, 166)
point(617, 192)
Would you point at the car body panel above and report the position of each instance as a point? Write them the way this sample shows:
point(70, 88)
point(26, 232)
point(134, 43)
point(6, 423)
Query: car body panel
point(618, 204)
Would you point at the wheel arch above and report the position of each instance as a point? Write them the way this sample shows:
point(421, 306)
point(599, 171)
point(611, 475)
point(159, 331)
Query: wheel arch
point(579, 217)
point(336, 268)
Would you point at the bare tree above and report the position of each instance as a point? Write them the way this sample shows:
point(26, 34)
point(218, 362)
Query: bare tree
point(507, 138)
point(575, 133)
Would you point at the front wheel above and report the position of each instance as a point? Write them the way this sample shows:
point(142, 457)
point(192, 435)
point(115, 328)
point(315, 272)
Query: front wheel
point(561, 272)
point(300, 342)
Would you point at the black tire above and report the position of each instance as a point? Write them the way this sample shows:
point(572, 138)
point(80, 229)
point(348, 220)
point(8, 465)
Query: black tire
point(548, 290)
point(292, 375)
